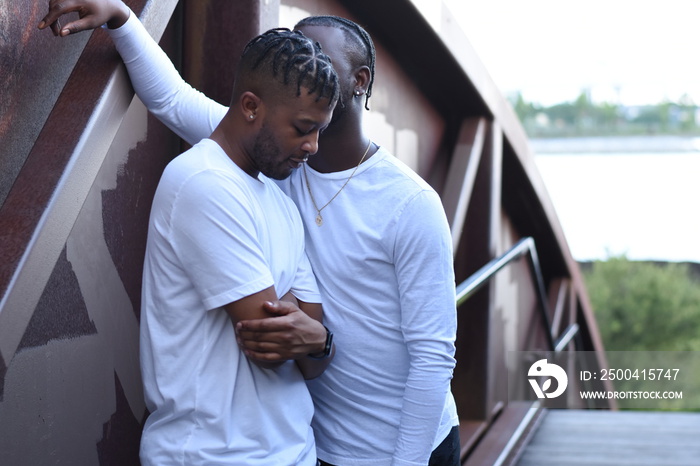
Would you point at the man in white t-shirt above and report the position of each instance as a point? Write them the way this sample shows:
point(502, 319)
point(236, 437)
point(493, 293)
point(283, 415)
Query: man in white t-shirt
point(225, 244)
point(380, 247)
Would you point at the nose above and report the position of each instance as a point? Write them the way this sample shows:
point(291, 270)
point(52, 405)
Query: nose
point(310, 145)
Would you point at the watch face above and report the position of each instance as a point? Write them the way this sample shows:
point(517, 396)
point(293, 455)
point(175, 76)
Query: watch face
point(329, 342)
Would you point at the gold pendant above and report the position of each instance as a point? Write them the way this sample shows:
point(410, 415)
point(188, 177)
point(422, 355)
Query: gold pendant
point(319, 219)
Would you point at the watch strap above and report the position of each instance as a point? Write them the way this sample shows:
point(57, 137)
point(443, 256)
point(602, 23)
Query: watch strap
point(326, 349)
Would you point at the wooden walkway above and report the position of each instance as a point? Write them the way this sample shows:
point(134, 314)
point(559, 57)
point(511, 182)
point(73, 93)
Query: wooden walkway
point(614, 438)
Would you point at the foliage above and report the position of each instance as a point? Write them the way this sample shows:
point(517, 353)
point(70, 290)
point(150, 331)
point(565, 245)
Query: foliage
point(645, 306)
point(583, 117)
point(650, 311)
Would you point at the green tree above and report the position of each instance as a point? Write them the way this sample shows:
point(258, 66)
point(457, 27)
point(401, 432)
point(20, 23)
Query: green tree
point(606, 117)
point(565, 114)
point(525, 110)
point(644, 306)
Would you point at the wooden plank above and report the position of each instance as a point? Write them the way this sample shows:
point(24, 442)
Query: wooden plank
point(469, 434)
point(592, 437)
point(504, 435)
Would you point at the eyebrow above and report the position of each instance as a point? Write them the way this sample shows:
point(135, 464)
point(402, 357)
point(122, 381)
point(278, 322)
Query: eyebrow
point(308, 121)
point(314, 124)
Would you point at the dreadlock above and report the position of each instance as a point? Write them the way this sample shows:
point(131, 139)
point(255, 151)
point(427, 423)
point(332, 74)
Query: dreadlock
point(293, 57)
point(354, 32)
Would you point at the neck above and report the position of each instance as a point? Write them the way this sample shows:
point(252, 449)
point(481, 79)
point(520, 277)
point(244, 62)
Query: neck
point(235, 151)
point(341, 148)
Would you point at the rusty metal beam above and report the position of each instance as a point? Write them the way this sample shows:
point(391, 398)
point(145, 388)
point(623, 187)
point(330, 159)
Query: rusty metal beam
point(461, 174)
point(214, 35)
point(480, 242)
point(49, 191)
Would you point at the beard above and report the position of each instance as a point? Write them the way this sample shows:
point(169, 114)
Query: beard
point(267, 155)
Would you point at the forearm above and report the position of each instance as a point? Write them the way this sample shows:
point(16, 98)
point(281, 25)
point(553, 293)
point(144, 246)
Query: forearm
point(429, 328)
point(315, 363)
point(287, 336)
point(253, 307)
point(158, 84)
point(426, 392)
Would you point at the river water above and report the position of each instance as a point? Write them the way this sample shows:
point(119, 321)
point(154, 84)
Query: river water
point(617, 198)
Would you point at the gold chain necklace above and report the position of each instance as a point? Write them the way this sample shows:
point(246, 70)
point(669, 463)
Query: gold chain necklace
point(319, 218)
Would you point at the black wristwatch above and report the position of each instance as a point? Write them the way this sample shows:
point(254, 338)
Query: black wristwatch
point(326, 349)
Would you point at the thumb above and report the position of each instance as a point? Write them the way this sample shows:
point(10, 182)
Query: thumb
point(80, 25)
point(280, 308)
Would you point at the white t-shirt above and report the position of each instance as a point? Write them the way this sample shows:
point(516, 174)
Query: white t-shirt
point(217, 235)
point(383, 259)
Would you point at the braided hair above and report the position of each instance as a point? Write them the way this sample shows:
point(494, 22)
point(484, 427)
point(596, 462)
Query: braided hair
point(354, 33)
point(292, 58)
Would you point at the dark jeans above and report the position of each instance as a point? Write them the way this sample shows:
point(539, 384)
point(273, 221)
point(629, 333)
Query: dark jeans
point(446, 454)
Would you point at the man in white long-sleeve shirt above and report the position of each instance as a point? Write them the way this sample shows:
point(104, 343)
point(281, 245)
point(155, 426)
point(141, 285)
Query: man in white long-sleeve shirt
point(380, 247)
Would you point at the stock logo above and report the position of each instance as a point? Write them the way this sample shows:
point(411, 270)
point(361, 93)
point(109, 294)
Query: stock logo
point(541, 369)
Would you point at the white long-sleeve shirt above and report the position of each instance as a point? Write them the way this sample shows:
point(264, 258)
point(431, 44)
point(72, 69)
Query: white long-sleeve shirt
point(383, 261)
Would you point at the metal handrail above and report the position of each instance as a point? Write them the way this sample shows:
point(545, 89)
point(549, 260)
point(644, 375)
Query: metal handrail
point(524, 247)
point(566, 337)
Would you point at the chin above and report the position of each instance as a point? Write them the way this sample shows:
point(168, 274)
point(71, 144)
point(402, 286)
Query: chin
point(279, 175)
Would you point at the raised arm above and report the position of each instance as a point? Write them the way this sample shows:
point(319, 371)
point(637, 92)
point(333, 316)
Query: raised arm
point(186, 111)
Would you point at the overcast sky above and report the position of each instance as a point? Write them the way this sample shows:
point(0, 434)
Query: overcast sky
point(624, 51)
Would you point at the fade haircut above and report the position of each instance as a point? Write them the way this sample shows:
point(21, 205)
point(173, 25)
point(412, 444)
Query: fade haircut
point(291, 58)
point(354, 33)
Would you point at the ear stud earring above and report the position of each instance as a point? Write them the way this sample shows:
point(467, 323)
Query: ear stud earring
point(251, 116)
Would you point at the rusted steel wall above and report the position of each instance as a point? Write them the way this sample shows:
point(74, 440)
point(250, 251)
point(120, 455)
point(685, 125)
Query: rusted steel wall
point(33, 69)
point(214, 35)
point(72, 391)
point(78, 174)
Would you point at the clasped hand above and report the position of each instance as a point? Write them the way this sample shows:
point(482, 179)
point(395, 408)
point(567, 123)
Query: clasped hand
point(291, 334)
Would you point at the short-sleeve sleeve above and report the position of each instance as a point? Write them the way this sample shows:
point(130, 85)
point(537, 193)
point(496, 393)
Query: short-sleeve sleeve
point(305, 287)
point(214, 236)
